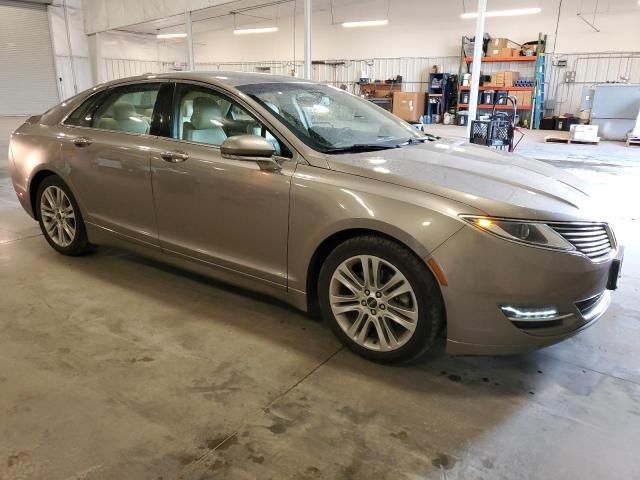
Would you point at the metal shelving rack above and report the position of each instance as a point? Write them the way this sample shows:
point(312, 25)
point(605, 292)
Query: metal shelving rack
point(436, 94)
point(537, 91)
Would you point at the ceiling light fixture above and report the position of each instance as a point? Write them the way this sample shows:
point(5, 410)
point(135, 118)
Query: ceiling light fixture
point(245, 31)
point(366, 23)
point(171, 35)
point(504, 13)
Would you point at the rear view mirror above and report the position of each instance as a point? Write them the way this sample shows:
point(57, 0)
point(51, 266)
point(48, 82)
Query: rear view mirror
point(250, 148)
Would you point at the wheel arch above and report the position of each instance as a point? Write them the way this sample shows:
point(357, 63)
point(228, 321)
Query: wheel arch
point(34, 185)
point(329, 243)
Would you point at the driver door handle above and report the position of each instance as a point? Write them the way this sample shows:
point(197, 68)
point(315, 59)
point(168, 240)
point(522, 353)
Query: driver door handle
point(174, 156)
point(82, 141)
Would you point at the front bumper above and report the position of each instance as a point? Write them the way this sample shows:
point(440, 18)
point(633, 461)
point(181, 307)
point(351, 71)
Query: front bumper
point(484, 272)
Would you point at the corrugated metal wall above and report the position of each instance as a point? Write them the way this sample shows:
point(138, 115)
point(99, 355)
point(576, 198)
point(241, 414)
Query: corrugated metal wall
point(560, 96)
point(115, 68)
point(590, 68)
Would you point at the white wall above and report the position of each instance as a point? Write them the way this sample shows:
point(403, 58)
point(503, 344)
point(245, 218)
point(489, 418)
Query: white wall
point(118, 54)
point(141, 47)
point(427, 28)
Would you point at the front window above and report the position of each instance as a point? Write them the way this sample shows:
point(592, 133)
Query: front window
point(330, 120)
point(209, 117)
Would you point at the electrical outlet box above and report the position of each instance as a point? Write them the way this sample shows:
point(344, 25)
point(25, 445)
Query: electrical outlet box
point(570, 76)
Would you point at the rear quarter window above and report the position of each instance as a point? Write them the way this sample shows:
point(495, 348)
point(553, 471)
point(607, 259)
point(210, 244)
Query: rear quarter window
point(83, 115)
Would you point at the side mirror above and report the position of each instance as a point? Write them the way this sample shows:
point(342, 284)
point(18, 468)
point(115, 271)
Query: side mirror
point(253, 148)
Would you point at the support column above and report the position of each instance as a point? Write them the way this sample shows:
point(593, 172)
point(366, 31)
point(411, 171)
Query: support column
point(477, 65)
point(190, 58)
point(307, 39)
point(70, 47)
point(95, 58)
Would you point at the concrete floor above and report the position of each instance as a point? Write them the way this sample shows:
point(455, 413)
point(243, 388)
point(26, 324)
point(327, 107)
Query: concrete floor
point(114, 367)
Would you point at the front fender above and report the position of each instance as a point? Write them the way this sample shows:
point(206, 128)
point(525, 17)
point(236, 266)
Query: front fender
point(325, 202)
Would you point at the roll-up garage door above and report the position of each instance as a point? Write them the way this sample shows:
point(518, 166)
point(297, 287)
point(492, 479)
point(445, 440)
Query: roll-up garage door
point(27, 73)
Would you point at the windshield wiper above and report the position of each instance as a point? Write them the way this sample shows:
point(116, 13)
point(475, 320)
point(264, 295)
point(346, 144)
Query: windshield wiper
point(427, 137)
point(362, 147)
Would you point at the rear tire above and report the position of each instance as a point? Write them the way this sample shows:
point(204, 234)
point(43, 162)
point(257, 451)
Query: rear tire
point(380, 299)
point(60, 218)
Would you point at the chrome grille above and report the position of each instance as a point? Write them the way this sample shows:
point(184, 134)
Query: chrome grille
point(591, 239)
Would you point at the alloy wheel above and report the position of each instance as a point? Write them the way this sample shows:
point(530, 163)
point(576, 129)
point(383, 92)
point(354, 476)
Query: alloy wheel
point(373, 302)
point(58, 216)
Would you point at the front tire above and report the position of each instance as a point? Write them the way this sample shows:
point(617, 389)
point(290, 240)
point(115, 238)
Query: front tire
point(60, 218)
point(380, 299)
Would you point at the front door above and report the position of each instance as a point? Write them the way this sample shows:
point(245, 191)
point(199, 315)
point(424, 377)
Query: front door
point(228, 213)
point(107, 153)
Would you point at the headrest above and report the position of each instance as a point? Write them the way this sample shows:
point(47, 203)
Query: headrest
point(206, 113)
point(123, 110)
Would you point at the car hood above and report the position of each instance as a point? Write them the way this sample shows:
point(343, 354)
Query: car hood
point(494, 182)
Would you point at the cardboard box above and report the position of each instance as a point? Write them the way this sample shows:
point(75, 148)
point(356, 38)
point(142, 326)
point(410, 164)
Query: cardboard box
point(518, 96)
point(526, 99)
point(506, 52)
point(408, 106)
point(510, 78)
point(516, 52)
point(499, 42)
point(497, 79)
point(584, 133)
point(493, 52)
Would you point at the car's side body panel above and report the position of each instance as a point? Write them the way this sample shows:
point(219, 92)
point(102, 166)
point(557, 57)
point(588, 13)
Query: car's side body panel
point(34, 149)
point(226, 212)
point(112, 175)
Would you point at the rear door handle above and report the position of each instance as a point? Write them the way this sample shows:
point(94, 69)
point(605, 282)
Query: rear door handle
point(82, 141)
point(174, 157)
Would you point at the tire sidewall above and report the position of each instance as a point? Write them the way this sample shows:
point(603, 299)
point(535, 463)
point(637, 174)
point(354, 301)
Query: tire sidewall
point(425, 288)
point(79, 244)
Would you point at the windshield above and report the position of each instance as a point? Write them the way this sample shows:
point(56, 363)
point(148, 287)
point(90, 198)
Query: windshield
point(331, 120)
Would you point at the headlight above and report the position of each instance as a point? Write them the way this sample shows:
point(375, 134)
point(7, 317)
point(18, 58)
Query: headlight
point(531, 233)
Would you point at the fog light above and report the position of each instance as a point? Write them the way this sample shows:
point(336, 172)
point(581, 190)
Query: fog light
point(531, 314)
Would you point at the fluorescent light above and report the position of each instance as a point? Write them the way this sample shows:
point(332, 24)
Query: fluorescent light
point(244, 31)
point(366, 23)
point(171, 35)
point(504, 13)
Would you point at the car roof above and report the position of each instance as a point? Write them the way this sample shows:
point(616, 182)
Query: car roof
point(217, 77)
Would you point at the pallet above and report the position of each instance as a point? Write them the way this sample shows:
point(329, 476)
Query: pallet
point(567, 140)
point(595, 141)
point(552, 139)
point(633, 142)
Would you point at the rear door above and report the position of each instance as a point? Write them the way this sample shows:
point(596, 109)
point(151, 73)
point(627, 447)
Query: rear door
point(107, 150)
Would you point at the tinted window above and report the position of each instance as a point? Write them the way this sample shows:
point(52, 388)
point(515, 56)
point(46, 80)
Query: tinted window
point(82, 116)
point(127, 109)
point(206, 116)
